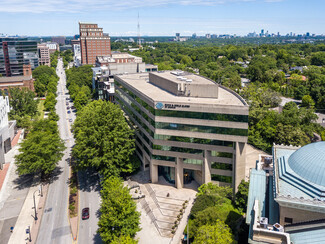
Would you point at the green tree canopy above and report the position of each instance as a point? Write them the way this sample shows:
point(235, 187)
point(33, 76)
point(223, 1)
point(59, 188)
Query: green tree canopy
point(22, 102)
point(118, 212)
point(124, 240)
point(103, 139)
point(242, 195)
point(50, 102)
point(41, 150)
point(218, 233)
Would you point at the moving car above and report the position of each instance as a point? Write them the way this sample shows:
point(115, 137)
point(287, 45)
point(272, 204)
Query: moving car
point(85, 213)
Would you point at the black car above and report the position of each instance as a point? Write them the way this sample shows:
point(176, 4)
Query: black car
point(85, 213)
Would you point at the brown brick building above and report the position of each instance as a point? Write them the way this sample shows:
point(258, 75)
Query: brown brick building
point(93, 43)
point(43, 54)
point(25, 80)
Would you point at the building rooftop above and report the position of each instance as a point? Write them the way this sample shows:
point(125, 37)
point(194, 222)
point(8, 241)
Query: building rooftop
point(309, 162)
point(154, 93)
point(299, 185)
point(257, 190)
point(17, 78)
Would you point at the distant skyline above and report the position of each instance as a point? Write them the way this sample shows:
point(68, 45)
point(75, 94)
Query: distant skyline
point(162, 17)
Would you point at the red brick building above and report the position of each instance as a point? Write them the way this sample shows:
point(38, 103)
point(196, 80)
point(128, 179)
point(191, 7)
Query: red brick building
point(93, 43)
point(25, 80)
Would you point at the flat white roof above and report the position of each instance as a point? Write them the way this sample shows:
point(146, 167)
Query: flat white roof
point(140, 81)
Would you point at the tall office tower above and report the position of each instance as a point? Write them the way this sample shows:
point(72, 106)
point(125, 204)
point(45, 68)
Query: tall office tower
point(93, 43)
point(15, 53)
point(177, 37)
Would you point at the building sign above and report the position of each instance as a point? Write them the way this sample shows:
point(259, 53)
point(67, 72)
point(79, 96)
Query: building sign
point(173, 106)
point(159, 105)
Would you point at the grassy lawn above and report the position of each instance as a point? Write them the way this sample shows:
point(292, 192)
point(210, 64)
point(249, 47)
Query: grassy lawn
point(40, 108)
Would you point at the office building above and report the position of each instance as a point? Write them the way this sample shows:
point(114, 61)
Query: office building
point(286, 200)
point(187, 127)
point(43, 54)
point(177, 37)
point(93, 43)
point(58, 39)
point(15, 53)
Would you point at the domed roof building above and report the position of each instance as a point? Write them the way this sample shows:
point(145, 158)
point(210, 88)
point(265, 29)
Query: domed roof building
point(309, 163)
point(293, 197)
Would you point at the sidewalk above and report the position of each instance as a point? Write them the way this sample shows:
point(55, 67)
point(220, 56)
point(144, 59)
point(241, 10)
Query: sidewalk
point(26, 217)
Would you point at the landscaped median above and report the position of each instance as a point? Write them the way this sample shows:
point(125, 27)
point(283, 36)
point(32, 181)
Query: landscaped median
point(73, 201)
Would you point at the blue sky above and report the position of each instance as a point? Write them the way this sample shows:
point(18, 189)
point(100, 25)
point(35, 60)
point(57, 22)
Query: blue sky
point(162, 17)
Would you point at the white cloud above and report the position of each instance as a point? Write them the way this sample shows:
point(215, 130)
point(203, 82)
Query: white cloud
point(75, 6)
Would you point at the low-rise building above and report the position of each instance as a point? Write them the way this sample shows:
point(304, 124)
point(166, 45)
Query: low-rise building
point(187, 127)
point(286, 201)
point(117, 63)
point(7, 129)
point(25, 80)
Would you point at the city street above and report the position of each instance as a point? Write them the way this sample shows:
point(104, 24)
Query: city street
point(55, 219)
point(89, 197)
point(55, 226)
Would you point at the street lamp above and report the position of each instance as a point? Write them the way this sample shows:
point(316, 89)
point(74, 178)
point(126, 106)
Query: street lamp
point(35, 204)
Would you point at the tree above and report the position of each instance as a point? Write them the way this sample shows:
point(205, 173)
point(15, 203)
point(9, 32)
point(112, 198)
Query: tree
point(318, 58)
point(80, 100)
point(103, 139)
point(50, 102)
point(118, 211)
point(307, 101)
point(43, 70)
point(41, 150)
point(124, 240)
point(218, 233)
point(44, 75)
point(242, 195)
point(52, 87)
point(22, 102)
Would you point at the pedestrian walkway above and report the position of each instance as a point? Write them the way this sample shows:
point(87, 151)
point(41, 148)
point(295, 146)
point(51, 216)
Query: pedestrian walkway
point(3, 174)
point(26, 217)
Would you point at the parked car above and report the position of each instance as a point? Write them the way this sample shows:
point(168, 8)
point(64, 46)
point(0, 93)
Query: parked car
point(70, 120)
point(85, 213)
point(69, 111)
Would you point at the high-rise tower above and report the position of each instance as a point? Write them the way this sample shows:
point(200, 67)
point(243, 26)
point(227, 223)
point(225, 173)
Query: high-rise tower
point(93, 43)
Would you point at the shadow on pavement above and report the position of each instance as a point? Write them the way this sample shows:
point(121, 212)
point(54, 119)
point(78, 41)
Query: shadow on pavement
point(23, 181)
point(97, 239)
point(56, 173)
point(89, 180)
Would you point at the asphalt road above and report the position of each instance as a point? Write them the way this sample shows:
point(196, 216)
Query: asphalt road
point(89, 197)
point(55, 226)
